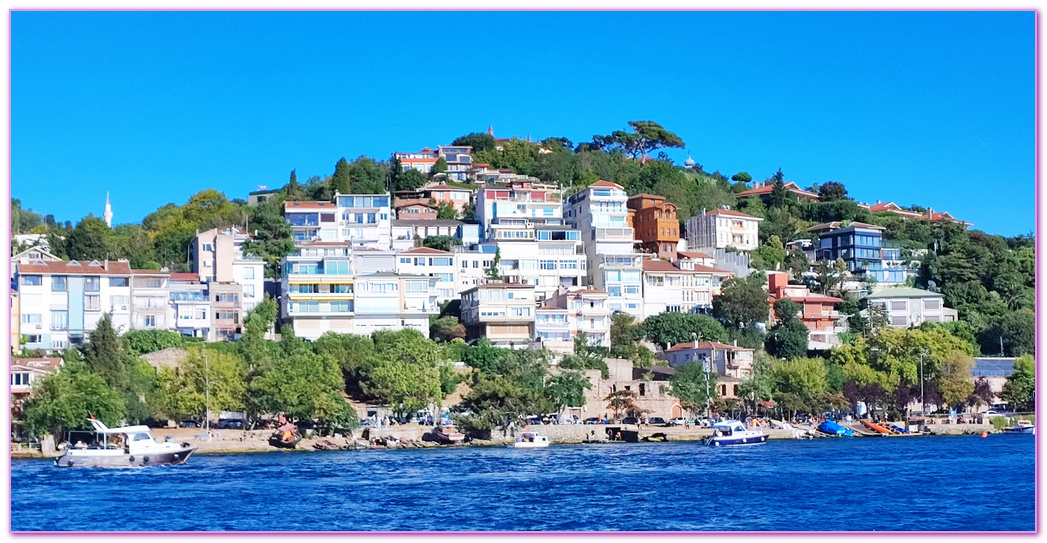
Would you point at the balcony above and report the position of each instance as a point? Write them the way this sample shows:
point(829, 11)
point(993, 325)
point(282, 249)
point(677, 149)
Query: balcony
point(600, 310)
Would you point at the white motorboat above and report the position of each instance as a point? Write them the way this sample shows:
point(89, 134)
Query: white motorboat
point(1023, 426)
point(732, 432)
point(531, 440)
point(138, 449)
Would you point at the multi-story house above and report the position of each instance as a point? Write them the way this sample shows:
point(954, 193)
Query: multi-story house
point(685, 287)
point(471, 265)
point(422, 161)
point(411, 205)
point(150, 300)
point(459, 160)
point(655, 223)
point(567, 313)
point(548, 257)
point(407, 233)
point(312, 221)
point(518, 203)
point(858, 244)
point(61, 302)
point(726, 360)
point(763, 191)
point(439, 265)
point(816, 312)
point(447, 194)
point(219, 259)
point(501, 312)
point(910, 306)
point(722, 229)
point(614, 266)
point(318, 290)
point(189, 312)
point(391, 301)
point(364, 220)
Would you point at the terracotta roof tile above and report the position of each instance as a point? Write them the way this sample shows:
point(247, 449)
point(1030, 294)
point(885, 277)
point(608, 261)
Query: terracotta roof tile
point(603, 183)
point(706, 345)
point(309, 205)
point(732, 213)
point(82, 268)
point(424, 251)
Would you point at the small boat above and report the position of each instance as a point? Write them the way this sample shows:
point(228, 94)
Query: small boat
point(733, 432)
point(876, 427)
point(1023, 426)
point(898, 429)
point(285, 437)
point(448, 435)
point(138, 449)
point(531, 440)
point(831, 428)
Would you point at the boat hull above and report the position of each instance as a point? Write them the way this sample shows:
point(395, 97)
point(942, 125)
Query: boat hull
point(526, 445)
point(281, 444)
point(102, 458)
point(732, 441)
point(1022, 431)
point(832, 428)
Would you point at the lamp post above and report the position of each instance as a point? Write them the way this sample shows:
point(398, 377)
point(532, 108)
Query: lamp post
point(705, 365)
point(923, 406)
point(873, 351)
point(207, 396)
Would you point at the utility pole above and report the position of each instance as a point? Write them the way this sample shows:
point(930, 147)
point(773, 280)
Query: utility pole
point(1001, 346)
point(207, 396)
point(923, 406)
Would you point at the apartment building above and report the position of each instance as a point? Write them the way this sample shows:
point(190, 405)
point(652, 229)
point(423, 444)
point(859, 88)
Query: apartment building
point(239, 279)
point(614, 266)
point(519, 203)
point(318, 290)
point(364, 220)
point(150, 299)
point(685, 287)
point(189, 311)
point(459, 160)
point(722, 229)
point(391, 301)
point(655, 223)
point(439, 265)
point(726, 360)
point(312, 221)
point(570, 312)
point(422, 161)
point(501, 312)
point(61, 302)
point(548, 257)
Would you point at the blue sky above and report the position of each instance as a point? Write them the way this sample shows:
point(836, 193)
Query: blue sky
point(934, 108)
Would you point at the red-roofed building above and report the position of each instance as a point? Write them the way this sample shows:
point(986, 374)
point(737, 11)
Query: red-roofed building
point(723, 229)
point(686, 287)
point(763, 191)
point(816, 312)
point(501, 312)
point(567, 313)
point(930, 215)
point(25, 372)
point(422, 161)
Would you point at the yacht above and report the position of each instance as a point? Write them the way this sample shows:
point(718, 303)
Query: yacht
point(136, 447)
point(732, 432)
point(1023, 426)
point(531, 440)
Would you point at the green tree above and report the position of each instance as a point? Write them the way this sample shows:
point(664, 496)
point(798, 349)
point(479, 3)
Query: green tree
point(478, 141)
point(804, 377)
point(759, 385)
point(624, 335)
point(406, 385)
point(498, 401)
point(694, 386)
point(493, 272)
point(341, 181)
point(623, 401)
point(788, 339)
point(446, 329)
point(273, 238)
point(786, 309)
point(367, 177)
point(65, 400)
point(446, 211)
point(105, 355)
point(832, 190)
point(770, 255)
point(672, 328)
point(1017, 329)
point(742, 177)
point(1020, 389)
point(293, 189)
point(954, 378)
point(301, 384)
point(441, 243)
point(743, 301)
point(89, 240)
point(141, 342)
point(567, 389)
point(205, 380)
point(647, 136)
point(779, 196)
point(210, 208)
point(439, 167)
point(412, 179)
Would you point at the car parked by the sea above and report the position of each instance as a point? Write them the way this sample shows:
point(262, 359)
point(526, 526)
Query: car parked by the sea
point(592, 420)
point(630, 420)
point(189, 423)
point(154, 423)
point(678, 421)
point(232, 424)
point(657, 421)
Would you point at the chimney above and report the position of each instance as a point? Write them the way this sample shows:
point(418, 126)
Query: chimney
point(735, 343)
point(930, 213)
point(703, 211)
point(106, 266)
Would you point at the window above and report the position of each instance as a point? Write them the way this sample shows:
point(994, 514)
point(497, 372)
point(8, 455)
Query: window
point(33, 338)
point(93, 284)
point(20, 379)
point(92, 302)
point(59, 283)
point(200, 313)
point(148, 320)
point(341, 307)
point(899, 321)
point(249, 273)
point(416, 286)
point(249, 291)
point(341, 288)
point(32, 280)
point(31, 318)
point(59, 320)
point(632, 289)
point(227, 298)
point(932, 304)
point(58, 344)
point(898, 305)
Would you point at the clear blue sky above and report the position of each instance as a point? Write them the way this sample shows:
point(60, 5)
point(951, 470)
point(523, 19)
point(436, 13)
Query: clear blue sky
point(936, 109)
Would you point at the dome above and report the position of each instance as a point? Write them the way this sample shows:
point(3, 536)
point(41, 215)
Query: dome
point(689, 162)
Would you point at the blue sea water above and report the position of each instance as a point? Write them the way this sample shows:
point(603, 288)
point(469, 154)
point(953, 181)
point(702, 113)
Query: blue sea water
point(931, 483)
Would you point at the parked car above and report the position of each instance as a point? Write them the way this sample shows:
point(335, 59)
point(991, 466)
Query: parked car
point(657, 421)
point(591, 420)
point(678, 421)
point(189, 423)
point(154, 423)
point(630, 420)
point(534, 420)
point(232, 424)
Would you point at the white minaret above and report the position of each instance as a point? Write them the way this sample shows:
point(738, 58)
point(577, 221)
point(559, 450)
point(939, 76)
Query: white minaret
point(108, 215)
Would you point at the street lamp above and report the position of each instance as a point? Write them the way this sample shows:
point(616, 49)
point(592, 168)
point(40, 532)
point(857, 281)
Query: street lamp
point(923, 406)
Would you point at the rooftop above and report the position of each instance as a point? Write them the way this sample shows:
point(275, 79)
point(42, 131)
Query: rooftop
point(706, 345)
point(902, 292)
point(119, 267)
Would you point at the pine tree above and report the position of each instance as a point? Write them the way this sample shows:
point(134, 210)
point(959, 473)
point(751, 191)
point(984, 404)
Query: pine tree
point(293, 189)
point(104, 354)
point(492, 272)
point(341, 182)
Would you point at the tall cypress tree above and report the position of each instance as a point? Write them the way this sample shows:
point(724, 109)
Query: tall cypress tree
point(293, 189)
point(104, 354)
point(341, 181)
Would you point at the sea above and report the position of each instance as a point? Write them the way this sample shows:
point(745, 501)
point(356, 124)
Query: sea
point(958, 483)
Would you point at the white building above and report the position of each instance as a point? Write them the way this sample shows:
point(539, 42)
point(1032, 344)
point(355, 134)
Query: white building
point(686, 287)
point(364, 220)
point(390, 301)
point(723, 228)
point(189, 311)
point(61, 302)
point(567, 313)
point(439, 265)
point(317, 289)
point(150, 300)
point(312, 221)
point(727, 360)
point(519, 203)
point(501, 312)
point(614, 266)
point(471, 265)
point(219, 259)
point(548, 257)
point(907, 307)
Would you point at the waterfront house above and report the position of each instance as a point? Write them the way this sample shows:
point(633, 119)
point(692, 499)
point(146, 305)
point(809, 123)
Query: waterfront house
point(24, 373)
point(650, 385)
point(816, 311)
point(726, 360)
point(569, 312)
point(501, 312)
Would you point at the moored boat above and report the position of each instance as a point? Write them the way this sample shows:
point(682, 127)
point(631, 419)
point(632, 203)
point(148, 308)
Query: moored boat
point(876, 427)
point(1023, 426)
point(285, 437)
point(830, 427)
point(531, 440)
point(138, 449)
point(448, 435)
point(732, 432)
